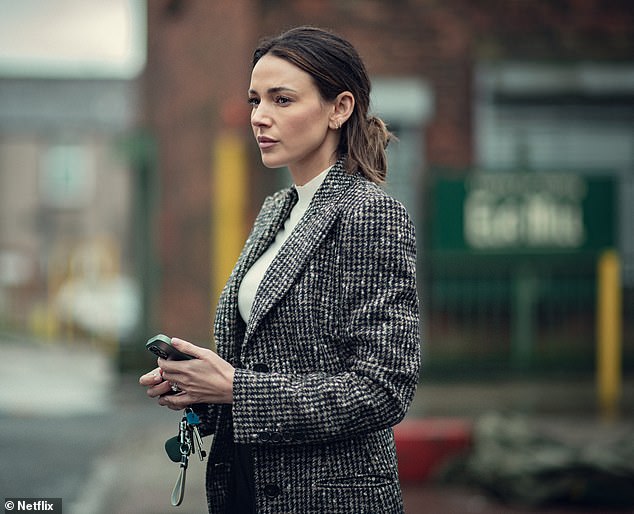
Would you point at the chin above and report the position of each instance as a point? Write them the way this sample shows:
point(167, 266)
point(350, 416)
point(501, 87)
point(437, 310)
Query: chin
point(272, 163)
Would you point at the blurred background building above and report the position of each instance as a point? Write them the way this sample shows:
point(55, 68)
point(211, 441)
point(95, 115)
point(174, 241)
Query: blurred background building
point(129, 178)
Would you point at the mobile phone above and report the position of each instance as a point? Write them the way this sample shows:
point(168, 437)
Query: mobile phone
point(161, 346)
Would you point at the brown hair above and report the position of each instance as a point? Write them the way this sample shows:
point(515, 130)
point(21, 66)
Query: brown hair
point(335, 66)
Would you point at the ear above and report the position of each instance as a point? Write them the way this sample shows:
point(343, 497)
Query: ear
point(343, 106)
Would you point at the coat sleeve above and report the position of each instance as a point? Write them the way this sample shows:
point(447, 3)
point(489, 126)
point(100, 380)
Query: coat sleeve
point(379, 324)
point(207, 414)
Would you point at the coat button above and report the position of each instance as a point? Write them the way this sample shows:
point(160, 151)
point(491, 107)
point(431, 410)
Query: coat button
point(276, 437)
point(264, 437)
point(260, 367)
point(271, 491)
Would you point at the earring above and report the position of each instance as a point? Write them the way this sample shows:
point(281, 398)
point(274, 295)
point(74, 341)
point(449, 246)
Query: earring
point(338, 124)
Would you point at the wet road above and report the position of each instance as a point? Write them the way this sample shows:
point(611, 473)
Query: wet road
point(70, 427)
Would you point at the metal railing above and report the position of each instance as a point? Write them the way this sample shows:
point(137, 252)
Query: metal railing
point(515, 316)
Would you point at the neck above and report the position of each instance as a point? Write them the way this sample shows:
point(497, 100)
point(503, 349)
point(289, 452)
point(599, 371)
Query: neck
point(307, 169)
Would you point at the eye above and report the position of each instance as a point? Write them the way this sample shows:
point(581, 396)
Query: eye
point(253, 101)
point(282, 100)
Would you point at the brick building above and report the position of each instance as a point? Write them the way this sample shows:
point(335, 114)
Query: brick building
point(494, 82)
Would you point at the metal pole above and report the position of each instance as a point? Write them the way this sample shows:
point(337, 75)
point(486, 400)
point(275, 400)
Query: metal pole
point(228, 205)
point(609, 334)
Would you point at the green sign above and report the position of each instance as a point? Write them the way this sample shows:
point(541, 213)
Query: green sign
point(524, 213)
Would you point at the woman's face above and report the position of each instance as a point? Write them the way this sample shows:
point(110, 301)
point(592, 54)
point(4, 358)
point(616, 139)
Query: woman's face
point(290, 120)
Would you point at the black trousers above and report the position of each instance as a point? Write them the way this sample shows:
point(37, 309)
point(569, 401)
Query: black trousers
point(241, 497)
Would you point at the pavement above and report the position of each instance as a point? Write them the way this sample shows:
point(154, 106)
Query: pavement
point(72, 427)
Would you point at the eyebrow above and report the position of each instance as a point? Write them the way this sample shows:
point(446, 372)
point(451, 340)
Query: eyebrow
point(273, 90)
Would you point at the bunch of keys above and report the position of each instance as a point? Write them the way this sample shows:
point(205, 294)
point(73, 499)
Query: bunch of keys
point(180, 447)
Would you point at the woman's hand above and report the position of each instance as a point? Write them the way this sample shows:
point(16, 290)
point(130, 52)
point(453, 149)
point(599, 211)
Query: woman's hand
point(204, 379)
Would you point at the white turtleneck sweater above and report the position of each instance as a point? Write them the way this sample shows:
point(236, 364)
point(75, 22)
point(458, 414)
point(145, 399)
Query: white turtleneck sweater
point(251, 281)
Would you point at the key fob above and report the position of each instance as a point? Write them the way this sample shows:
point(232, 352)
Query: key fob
point(172, 448)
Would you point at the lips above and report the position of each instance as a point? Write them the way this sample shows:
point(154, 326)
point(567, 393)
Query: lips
point(266, 142)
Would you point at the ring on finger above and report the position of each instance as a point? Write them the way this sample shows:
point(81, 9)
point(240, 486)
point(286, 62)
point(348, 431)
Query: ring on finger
point(174, 386)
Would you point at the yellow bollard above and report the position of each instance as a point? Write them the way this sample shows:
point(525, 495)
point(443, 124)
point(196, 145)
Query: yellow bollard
point(609, 334)
point(228, 204)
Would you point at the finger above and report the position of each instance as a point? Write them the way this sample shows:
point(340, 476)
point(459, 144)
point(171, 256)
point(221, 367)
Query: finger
point(152, 378)
point(159, 390)
point(188, 348)
point(174, 378)
point(175, 401)
point(173, 371)
point(168, 366)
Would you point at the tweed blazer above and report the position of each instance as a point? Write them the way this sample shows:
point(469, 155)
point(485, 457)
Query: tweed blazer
point(329, 359)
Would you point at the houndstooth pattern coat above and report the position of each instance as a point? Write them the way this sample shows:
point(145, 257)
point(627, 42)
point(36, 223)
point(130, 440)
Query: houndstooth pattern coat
point(329, 359)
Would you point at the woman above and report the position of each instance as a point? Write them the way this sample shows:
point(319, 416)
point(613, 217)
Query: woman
point(317, 328)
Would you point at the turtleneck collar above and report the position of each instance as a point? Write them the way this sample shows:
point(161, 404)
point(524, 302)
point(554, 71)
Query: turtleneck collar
point(306, 192)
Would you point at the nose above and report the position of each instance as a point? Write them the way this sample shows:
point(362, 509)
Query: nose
point(260, 117)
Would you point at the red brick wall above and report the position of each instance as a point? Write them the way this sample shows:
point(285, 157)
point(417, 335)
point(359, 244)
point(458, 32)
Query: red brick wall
point(198, 53)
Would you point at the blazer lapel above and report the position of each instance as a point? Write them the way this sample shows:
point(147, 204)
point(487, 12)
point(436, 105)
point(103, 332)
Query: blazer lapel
point(262, 235)
point(298, 248)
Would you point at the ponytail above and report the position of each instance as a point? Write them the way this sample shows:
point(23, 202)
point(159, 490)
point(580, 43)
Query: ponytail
point(365, 143)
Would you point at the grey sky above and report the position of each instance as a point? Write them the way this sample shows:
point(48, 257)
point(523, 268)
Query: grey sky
point(72, 38)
